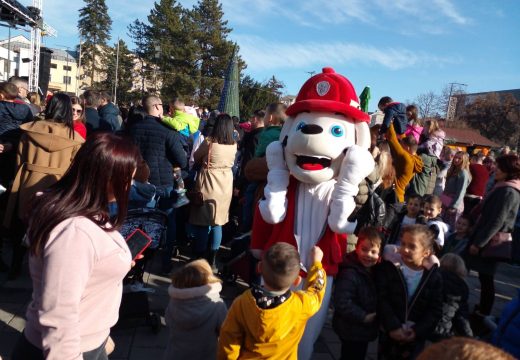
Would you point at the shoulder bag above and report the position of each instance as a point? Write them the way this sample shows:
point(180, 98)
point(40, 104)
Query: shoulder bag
point(499, 248)
point(195, 195)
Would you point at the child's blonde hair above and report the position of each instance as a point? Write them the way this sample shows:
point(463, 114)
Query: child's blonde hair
point(194, 274)
point(454, 263)
point(454, 169)
point(463, 349)
point(433, 126)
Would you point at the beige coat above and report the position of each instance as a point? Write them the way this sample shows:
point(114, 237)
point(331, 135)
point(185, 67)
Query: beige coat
point(215, 181)
point(45, 152)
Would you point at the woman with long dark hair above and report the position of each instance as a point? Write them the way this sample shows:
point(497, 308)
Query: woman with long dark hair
point(45, 152)
point(496, 217)
point(216, 156)
point(77, 258)
point(78, 117)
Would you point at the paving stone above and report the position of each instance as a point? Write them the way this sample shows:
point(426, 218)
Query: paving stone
point(329, 336)
point(320, 346)
point(17, 323)
point(8, 311)
point(334, 349)
point(123, 338)
point(321, 356)
point(145, 338)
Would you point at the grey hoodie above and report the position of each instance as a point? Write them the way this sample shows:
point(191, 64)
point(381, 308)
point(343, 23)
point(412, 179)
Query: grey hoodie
point(194, 317)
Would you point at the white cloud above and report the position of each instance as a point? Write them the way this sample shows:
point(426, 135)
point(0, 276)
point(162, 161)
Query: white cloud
point(448, 9)
point(322, 13)
point(261, 54)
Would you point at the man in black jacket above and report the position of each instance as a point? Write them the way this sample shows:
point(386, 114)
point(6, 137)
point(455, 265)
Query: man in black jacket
point(161, 148)
point(91, 113)
point(109, 118)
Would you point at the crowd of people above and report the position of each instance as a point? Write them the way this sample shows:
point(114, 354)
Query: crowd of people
point(427, 213)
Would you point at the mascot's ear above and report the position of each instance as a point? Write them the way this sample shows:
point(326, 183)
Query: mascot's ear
point(286, 127)
point(362, 135)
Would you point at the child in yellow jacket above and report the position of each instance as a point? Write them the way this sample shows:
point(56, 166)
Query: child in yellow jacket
point(268, 322)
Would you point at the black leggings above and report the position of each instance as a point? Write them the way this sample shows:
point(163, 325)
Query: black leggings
point(487, 293)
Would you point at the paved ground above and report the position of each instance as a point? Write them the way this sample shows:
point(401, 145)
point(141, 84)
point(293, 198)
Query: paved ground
point(135, 340)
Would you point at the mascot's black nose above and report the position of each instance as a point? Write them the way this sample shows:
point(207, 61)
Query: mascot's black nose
point(311, 129)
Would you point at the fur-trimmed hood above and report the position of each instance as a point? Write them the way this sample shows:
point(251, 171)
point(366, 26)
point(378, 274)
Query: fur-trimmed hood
point(210, 290)
point(192, 307)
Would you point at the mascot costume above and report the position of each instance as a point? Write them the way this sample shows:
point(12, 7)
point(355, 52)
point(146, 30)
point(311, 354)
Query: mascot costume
point(314, 172)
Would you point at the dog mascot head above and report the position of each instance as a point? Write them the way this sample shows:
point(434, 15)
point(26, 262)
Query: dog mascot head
point(325, 120)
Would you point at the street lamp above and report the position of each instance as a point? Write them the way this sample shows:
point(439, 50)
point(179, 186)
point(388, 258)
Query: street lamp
point(67, 68)
point(157, 55)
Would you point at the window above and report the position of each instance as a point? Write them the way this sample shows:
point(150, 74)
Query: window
point(67, 80)
point(67, 68)
point(54, 66)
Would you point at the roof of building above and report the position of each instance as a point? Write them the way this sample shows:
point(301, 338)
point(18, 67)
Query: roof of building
point(469, 137)
point(60, 54)
point(472, 96)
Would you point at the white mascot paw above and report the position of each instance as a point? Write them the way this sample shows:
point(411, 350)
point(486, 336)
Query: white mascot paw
point(274, 156)
point(357, 165)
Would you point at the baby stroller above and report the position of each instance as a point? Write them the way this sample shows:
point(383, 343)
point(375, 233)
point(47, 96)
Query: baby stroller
point(135, 303)
point(239, 263)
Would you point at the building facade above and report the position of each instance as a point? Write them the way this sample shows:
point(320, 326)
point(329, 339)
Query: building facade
point(64, 71)
point(63, 75)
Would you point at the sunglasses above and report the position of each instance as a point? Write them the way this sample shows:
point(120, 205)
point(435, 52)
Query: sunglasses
point(77, 111)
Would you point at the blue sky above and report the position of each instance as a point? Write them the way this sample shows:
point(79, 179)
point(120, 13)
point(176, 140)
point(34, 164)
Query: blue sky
point(400, 48)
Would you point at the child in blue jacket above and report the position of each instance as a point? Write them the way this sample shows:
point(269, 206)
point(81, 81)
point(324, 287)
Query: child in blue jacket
point(395, 113)
point(506, 336)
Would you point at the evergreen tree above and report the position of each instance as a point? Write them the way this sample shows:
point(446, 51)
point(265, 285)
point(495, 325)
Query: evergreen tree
point(213, 50)
point(125, 69)
point(171, 39)
point(94, 28)
point(254, 96)
point(139, 32)
point(275, 85)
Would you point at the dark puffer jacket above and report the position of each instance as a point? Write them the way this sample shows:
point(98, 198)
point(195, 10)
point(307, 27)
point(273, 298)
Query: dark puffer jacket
point(424, 308)
point(507, 333)
point(454, 320)
point(354, 298)
point(160, 147)
point(12, 115)
point(109, 118)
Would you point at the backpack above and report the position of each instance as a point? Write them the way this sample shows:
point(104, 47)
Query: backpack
point(372, 212)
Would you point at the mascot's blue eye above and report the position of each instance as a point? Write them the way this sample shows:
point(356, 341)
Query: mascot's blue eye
point(336, 130)
point(300, 126)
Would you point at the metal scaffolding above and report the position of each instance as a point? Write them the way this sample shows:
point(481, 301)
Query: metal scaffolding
point(15, 14)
